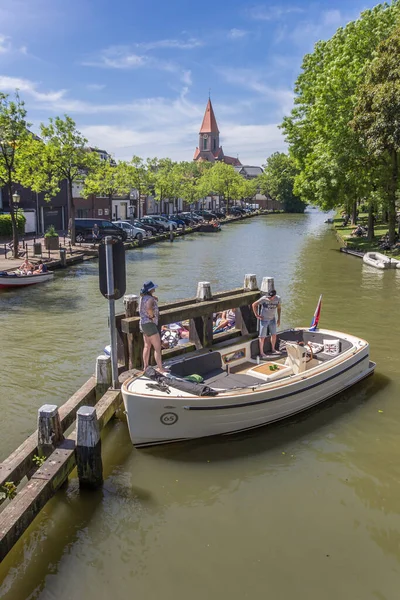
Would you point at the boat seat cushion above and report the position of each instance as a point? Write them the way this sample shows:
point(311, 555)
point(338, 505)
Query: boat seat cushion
point(198, 365)
point(220, 379)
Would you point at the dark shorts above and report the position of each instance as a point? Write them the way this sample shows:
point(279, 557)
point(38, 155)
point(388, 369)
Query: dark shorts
point(267, 325)
point(149, 329)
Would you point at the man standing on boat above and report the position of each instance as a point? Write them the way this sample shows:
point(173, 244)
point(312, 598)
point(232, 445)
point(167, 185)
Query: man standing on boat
point(269, 307)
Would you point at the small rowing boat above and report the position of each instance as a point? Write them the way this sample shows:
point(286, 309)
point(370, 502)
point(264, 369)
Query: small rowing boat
point(380, 261)
point(13, 280)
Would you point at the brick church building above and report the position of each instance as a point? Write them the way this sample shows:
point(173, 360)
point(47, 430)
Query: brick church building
point(209, 148)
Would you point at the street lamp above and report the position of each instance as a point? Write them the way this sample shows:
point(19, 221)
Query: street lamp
point(16, 198)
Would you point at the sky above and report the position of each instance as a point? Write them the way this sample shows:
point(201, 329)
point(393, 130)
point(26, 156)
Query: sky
point(136, 76)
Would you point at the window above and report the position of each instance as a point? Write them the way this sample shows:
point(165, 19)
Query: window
point(82, 213)
point(100, 212)
point(204, 143)
point(214, 144)
point(106, 211)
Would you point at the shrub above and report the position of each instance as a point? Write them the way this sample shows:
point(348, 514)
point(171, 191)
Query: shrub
point(51, 232)
point(6, 224)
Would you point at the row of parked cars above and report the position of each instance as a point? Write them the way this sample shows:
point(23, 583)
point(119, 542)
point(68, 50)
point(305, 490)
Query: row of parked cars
point(148, 225)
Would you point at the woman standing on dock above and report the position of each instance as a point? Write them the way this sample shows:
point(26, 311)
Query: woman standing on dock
point(148, 313)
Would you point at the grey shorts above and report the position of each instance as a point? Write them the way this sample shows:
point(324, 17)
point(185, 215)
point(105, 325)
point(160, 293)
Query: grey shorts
point(149, 329)
point(265, 326)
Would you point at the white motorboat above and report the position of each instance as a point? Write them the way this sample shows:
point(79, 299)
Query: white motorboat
point(380, 261)
point(12, 280)
point(239, 392)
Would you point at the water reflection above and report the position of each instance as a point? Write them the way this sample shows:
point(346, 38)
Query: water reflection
point(299, 508)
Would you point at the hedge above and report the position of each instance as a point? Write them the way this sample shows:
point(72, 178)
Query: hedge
point(6, 224)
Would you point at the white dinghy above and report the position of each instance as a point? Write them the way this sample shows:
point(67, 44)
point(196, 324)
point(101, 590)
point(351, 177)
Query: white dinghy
point(238, 392)
point(380, 261)
point(16, 279)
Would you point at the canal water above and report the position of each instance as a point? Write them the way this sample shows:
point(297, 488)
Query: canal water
point(307, 508)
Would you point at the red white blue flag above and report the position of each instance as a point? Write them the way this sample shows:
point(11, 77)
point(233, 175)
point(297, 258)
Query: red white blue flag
point(315, 321)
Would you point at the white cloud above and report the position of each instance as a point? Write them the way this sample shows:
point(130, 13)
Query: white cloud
point(95, 87)
point(5, 44)
point(177, 44)
point(187, 77)
point(272, 13)
point(122, 57)
point(236, 34)
point(306, 33)
point(9, 84)
point(251, 80)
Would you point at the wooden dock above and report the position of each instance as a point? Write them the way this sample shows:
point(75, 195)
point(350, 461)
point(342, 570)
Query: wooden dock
point(95, 403)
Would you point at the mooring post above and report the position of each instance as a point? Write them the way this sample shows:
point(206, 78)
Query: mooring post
point(63, 256)
point(245, 318)
point(171, 233)
point(267, 284)
point(88, 448)
point(131, 304)
point(250, 283)
point(50, 433)
point(201, 328)
point(103, 374)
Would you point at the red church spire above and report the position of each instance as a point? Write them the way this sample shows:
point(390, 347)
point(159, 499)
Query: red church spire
point(209, 124)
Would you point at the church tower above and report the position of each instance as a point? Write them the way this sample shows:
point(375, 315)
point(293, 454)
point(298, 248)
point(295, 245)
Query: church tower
point(209, 148)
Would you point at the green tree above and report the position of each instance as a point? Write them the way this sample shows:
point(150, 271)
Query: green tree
point(278, 180)
point(141, 177)
point(65, 153)
point(165, 183)
point(108, 179)
point(221, 179)
point(14, 135)
point(377, 117)
point(333, 166)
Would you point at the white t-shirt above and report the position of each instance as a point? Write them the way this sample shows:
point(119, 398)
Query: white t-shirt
point(268, 307)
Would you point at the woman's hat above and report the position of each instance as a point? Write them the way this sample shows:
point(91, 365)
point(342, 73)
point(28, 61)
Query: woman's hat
point(147, 287)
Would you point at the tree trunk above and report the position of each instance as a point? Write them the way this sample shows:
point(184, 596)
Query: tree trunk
point(392, 198)
point(354, 213)
point(371, 232)
point(13, 222)
point(71, 212)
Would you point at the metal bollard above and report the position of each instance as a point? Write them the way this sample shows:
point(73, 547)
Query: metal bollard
point(63, 256)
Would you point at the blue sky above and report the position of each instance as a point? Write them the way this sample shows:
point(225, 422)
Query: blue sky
point(136, 76)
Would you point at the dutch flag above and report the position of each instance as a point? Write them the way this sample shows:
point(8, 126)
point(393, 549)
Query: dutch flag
point(314, 322)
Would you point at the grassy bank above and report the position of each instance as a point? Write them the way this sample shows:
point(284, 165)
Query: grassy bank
point(362, 243)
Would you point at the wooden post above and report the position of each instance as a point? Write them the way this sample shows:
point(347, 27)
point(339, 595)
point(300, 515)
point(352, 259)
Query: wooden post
point(88, 448)
point(171, 233)
point(131, 302)
point(49, 429)
point(250, 283)
point(245, 319)
point(103, 374)
point(63, 257)
point(201, 328)
point(203, 291)
point(267, 284)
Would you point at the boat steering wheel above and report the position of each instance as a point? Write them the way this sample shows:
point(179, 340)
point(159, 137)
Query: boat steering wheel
point(310, 356)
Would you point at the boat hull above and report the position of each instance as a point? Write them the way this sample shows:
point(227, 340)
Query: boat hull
point(156, 420)
point(10, 281)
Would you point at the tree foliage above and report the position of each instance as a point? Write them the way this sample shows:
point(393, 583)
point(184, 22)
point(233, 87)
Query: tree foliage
point(14, 135)
point(377, 117)
point(334, 167)
point(278, 179)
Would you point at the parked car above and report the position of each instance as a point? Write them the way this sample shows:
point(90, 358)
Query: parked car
point(176, 220)
point(150, 221)
point(196, 218)
point(132, 231)
point(219, 214)
point(207, 215)
point(150, 230)
point(186, 219)
point(165, 221)
point(84, 230)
